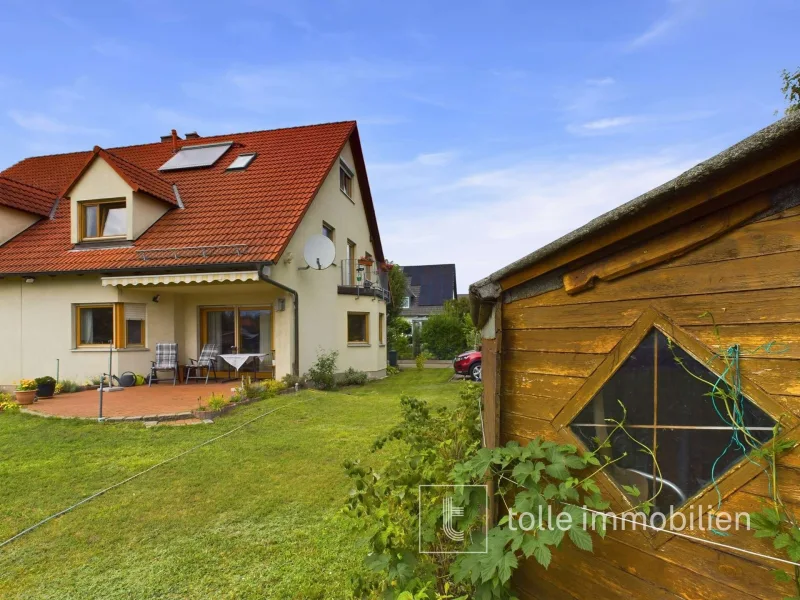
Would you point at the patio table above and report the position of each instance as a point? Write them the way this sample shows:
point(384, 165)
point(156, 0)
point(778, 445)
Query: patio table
point(237, 361)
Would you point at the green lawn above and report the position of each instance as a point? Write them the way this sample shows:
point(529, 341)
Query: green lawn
point(253, 515)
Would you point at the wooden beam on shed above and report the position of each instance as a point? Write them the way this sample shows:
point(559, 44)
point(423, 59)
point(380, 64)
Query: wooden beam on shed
point(666, 246)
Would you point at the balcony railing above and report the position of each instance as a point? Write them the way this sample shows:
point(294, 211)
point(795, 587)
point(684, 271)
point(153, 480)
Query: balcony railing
point(363, 279)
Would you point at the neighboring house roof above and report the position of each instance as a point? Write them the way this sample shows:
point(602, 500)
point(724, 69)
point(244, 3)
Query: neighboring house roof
point(25, 197)
point(259, 207)
point(437, 283)
point(421, 311)
point(736, 158)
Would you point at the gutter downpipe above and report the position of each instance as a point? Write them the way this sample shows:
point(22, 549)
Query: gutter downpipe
point(296, 302)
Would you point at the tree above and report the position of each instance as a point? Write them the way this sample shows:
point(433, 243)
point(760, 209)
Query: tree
point(398, 288)
point(791, 89)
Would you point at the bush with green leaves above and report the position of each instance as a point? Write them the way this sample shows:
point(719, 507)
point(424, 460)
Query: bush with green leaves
point(67, 386)
point(398, 334)
point(323, 372)
point(7, 404)
point(290, 380)
point(421, 359)
point(443, 335)
point(422, 449)
point(541, 480)
point(217, 402)
point(390, 370)
point(354, 377)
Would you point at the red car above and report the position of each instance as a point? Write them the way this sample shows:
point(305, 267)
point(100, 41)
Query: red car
point(469, 363)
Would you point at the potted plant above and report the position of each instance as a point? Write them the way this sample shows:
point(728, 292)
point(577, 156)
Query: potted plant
point(366, 261)
point(26, 391)
point(45, 387)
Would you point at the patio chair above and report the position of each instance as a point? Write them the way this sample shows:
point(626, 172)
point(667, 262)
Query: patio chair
point(166, 360)
point(207, 361)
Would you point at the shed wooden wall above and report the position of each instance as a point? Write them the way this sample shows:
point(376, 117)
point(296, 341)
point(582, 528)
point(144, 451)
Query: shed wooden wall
point(750, 280)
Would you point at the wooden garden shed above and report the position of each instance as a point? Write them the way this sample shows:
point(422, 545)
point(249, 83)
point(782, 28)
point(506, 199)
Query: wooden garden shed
point(703, 266)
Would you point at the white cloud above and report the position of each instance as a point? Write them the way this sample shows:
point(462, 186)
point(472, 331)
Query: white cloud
point(608, 123)
point(679, 12)
point(601, 81)
point(622, 123)
point(41, 123)
point(483, 219)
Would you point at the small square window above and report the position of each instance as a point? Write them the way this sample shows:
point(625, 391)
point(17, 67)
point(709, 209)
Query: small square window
point(345, 179)
point(134, 333)
point(357, 328)
point(241, 162)
point(103, 220)
point(405, 302)
point(327, 231)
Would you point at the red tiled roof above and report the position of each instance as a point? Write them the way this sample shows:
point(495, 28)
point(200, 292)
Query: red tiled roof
point(25, 197)
point(259, 207)
point(138, 178)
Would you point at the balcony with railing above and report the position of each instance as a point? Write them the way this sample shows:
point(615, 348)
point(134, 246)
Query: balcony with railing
point(361, 279)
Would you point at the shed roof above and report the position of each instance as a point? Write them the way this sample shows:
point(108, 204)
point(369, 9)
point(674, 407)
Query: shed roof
point(756, 146)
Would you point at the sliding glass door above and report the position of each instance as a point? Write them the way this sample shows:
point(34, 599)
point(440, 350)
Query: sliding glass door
point(240, 330)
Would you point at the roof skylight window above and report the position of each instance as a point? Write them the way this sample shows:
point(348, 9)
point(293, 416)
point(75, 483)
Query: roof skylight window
point(242, 161)
point(191, 157)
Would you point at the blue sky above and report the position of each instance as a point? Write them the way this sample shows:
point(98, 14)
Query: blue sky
point(489, 129)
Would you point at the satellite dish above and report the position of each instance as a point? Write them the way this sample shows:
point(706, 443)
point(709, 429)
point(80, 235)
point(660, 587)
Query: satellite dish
point(319, 252)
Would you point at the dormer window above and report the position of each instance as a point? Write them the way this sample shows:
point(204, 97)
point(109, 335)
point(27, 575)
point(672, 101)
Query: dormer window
point(345, 179)
point(103, 220)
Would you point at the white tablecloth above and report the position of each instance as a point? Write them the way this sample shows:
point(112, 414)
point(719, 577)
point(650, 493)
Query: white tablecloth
point(237, 360)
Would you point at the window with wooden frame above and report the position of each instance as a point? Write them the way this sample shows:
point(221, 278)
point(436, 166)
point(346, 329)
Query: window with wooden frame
point(328, 231)
point(357, 328)
point(345, 179)
point(663, 377)
point(381, 328)
point(103, 220)
point(120, 324)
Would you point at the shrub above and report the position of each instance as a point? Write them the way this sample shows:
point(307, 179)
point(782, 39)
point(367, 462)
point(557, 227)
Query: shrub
point(397, 334)
point(96, 379)
point(44, 380)
point(262, 390)
point(383, 503)
point(354, 377)
point(421, 358)
point(321, 373)
point(217, 402)
point(390, 370)
point(289, 380)
point(7, 404)
point(67, 386)
point(26, 385)
point(443, 335)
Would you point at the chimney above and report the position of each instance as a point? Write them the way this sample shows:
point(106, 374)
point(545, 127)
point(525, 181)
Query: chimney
point(192, 135)
point(174, 141)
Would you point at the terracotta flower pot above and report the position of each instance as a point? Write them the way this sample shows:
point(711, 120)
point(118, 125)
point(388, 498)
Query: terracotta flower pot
point(25, 397)
point(365, 262)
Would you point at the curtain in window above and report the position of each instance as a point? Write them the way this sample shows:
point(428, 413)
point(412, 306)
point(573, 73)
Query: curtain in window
point(87, 326)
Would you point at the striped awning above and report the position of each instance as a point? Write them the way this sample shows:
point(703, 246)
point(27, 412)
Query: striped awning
point(177, 278)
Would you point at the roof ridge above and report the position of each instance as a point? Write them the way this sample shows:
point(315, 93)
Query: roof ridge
point(33, 187)
point(133, 164)
point(218, 135)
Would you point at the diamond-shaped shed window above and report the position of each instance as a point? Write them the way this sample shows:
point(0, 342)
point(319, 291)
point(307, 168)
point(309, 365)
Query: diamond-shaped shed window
point(671, 410)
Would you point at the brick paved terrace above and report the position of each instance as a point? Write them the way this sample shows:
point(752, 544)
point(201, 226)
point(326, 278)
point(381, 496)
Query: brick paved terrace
point(139, 401)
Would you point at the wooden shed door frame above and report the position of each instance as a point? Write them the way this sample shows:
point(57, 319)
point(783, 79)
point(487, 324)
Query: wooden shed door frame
point(730, 481)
